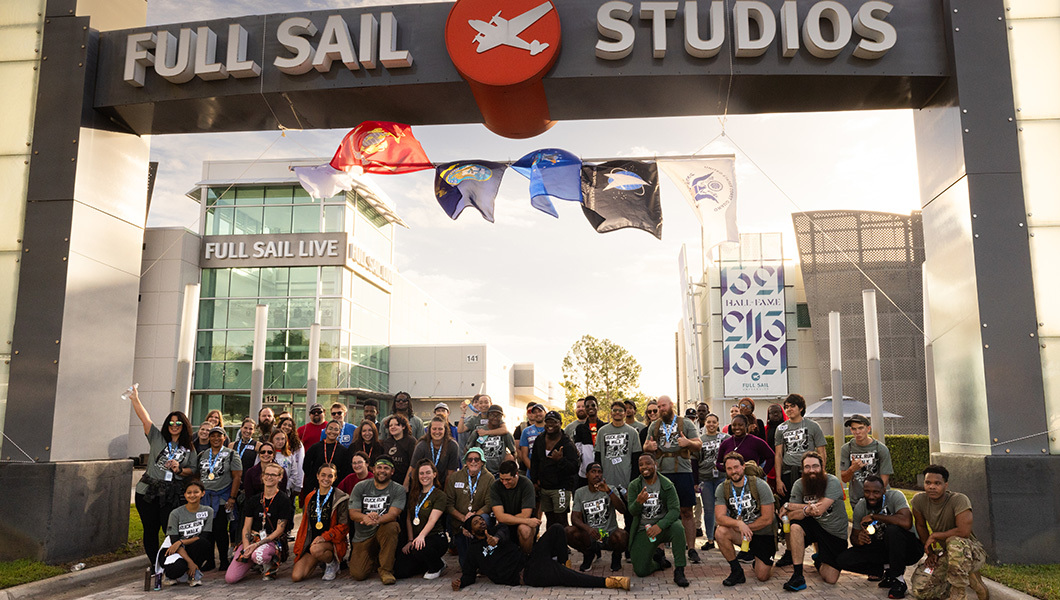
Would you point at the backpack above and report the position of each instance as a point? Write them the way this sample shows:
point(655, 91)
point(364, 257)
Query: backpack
point(653, 433)
point(750, 468)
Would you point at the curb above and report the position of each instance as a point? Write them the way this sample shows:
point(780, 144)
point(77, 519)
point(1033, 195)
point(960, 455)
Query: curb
point(1000, 591)
point(68, 581)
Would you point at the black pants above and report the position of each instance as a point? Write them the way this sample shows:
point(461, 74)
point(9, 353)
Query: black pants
point(899, 548)
point(220, 536)
point(546, 565)
point(426, 560)
point(154, 518)
point(199, 551)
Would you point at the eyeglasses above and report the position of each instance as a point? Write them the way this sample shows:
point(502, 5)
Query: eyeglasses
point(266, 452)
point(651, 412)
point(176, 424)
point(473, 460)
point(269, 475)
point(337, 414)
point(316, 412)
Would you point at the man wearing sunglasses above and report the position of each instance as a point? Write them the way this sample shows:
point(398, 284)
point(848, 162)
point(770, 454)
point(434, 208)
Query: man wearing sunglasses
point(403, 406)
point(338, 413)
point(313, 431)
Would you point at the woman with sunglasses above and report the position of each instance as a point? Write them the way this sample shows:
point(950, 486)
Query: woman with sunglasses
point(651, 413)
point(403, 408)
point(467, 493)
point(425, 524)
point(171, 458)
point(438, 447)
point(252, 477)
point(291, 460)
point(367, 440)
point(264, 535)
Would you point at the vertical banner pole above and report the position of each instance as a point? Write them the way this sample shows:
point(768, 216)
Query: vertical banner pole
point(929, 372)
point(872, 356)
point(836, 359)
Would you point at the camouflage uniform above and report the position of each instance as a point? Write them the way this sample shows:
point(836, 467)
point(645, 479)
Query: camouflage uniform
point(949, 579)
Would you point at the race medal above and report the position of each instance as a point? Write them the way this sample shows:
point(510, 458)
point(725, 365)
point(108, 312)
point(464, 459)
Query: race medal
point(416, 521)
point(262, 535)
point(319, 525)
point(211, 477)
point(469, 507)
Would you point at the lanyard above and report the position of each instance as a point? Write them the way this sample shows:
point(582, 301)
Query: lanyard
point(668, 430)
point(739, 500)
point(438, 456)
point(333, 451)
point(170, 452)
point(212, 459)
point(265, 509)
point(473, 486)
point(241, 447)
point(420, 505)
point(326, 498)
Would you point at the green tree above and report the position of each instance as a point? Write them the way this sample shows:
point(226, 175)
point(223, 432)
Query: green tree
point(600, 368)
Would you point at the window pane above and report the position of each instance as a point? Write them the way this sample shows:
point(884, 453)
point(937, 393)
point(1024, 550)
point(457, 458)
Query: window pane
point(301, 196)
point(275, 345)
point(240, 345)
point(334, 217)
point(215, 283)
point(306, 219)
point(210, 345)
point(241, 313)
point(274, 281)
point(219, 221)
point(298, 344)
point(244, 283)
point(302, 312)
point(329, 311)
point(250, 195)
point(329, 343)
point(208, 376)
point(248, 220)
point(277, 311)
point(296, 374)
point(279, 195)
point(213, 314)
point(274, 375)
point(228, 198)
point(237, 375)
point(303, 281)
point(328, 375)
point(331, 281)
point(277, 219)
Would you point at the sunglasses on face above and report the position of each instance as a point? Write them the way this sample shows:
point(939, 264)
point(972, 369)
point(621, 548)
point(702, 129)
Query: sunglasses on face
point(267, 452)
point(474, 460)
point(652, 412)
point(176, 424)
point(336, 414)
point(316, 412)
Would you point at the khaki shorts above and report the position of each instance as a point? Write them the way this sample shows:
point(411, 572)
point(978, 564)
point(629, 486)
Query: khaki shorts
point(555, 501)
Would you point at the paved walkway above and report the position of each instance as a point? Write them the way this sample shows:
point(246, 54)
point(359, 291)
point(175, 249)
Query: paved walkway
point(705, 579)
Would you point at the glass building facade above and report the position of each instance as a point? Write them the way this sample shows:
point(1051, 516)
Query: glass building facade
point(353, 311)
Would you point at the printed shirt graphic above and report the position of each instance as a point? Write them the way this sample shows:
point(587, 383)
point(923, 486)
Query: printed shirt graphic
point(494, 446)
point(740, 502)
point(224, 462)
point(709, 455)
point(162, 453)
point(668, 443)
point(893, 501)
point(596, 509)
point(368, 499)
point(184, 524)
point(616, 446)
point(653, 510)
point(798, 438)
point(834, 520)
point(876, 459)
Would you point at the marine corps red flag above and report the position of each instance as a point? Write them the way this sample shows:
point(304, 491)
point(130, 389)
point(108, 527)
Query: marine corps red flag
point(622, 193)
point(381, 147)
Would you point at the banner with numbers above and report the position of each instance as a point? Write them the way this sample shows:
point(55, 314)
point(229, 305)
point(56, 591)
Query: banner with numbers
point(754, 333)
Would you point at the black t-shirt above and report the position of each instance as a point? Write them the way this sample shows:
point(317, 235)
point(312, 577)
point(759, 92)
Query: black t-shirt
point(400, 451)
point(267, 513)
point(513, 500)
point(327, 501)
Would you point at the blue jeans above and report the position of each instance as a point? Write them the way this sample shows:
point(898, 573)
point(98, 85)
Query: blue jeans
point(707, 489)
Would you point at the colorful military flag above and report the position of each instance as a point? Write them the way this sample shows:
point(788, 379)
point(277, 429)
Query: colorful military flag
point(381, 147)
point(553, 173)
point(709, 185)
point(622, 193)
point(460, 184)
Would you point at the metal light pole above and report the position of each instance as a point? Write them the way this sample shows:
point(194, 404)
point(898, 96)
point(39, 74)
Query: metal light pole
point(314, 365)
point(836, 359)
point(872, 356)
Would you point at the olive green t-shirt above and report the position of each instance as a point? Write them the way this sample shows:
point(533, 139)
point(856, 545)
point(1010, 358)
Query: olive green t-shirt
point(941, 515)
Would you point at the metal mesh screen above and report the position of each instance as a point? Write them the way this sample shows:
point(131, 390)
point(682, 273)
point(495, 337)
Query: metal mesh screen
point(889, 248)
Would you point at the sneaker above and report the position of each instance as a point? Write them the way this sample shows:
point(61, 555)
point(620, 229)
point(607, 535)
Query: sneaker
point(587, 560)
point(435, 574)
point(734, 578)
point(617, 583)
point(331, 570)
point(167, 581)
point(269, 571)
point(797, 583)
point(616, 561)
point(745, 557)
point(387, 577)
point(708, 546)
point(660, 559)
point(898, 590)
point(886, 582)
point(785, 559)
point(679, 576)
point(195, 581)
point(694, 556)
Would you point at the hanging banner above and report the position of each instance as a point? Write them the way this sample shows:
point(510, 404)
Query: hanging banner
point(754, 333)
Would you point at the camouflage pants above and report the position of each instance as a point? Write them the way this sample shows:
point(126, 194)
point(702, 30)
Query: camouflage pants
point(962, 556)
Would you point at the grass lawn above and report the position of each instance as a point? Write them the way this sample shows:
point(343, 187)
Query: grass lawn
point(17, 572)
point(1040, 581)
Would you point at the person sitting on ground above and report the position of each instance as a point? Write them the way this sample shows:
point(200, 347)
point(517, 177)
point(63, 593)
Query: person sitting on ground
point(322, 533)
point(954, 554)
point(497, 556)
point(817, 516)
point(189, 537)
point(595, 527)
point(882, 541)
point(375, 508)
point(656, 514)
point(743, 511)
point(268, 516)
point(425, 525)
point(513, 502)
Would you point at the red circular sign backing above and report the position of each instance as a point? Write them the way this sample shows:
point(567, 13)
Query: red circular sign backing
point(503, 43)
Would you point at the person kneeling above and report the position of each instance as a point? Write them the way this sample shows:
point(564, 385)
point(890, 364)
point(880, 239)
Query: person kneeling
point(322, 534)
point(595, 527)
point(189, 541)
point(656, 514)
point(425, 525)
point(268, 515)
point(498, 557)
point(375, 508)
point(743, 511)
point(817, 517)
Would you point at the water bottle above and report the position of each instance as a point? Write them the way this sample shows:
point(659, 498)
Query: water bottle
point(745, 545)
point(128, 392)
point(787, 523)
point(650, 539)
point(149, 576)
point(78, 567)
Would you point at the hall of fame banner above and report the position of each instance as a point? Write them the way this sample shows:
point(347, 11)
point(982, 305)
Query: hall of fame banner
point(754, 333)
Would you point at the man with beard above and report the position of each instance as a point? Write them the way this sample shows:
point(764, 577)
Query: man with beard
point(817, 516)
point(656, 511)
point(673, 441)
point(585, 437)
point(535, 414)
point(497, 443)
point(579, 414)
point(403, 406)
point(882, 534)
point(375, 507)
point(595, 526)
point(313, 431)
point(743, 511)
point(265, 421)
point(554, 467)
point(954, 555)
point(498, 557)
point(631, 417)
point(512, 499)
point(863, 456)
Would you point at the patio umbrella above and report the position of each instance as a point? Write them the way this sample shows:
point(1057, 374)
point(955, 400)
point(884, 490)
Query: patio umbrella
point(851, 407)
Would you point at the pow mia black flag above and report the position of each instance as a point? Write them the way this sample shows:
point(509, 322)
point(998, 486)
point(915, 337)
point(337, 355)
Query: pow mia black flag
point(622, 193)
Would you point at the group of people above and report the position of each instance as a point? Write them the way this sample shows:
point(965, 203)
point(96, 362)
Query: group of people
point(392, 499)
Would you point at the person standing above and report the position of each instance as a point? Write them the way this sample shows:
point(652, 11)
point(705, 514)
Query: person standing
point(774, 417)
point(817, 517)
point(863, 456)
point(709, 476)
point(585, 438)
point(361, 472)
point(579, 416)
point(264, 536)
point(496, 442)
point(513, 502)
point(290, 459)
point(347, 431)
point(702, 410)
point(313, 431)
point(439, 448)
point(472, 417)
point(748, 446)
point(321, 538)
point(189, 534)
point(366, 440)
point(265, 421)
point(535, 415)
point(375, 508)
point(220, 470)
point(595, 527)
point(403, 407)
point(371, 411)
point(656, 510)
point(631, 416)
point(245, 446)
point(442, 410)
point(425, 526)
point(252, 480)
point(743, 510)
point(882, 541)
point(171, 459)
point(554, 467)
point(468, 493)
point(651, 414)
point(617, 448)
point(398, 447)
point(673, 441)
point(327, 452)
point(954, 554)
point(755, 426)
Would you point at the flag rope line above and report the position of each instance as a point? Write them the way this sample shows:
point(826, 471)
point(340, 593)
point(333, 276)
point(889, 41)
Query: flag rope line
point(13, 442)
point(724, 118)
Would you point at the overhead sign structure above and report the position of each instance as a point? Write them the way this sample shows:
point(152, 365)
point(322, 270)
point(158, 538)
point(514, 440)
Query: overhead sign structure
point(754, 333)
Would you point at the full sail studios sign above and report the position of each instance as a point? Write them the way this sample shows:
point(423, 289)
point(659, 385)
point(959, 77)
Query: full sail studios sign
point(509, 48)
point(292, 250)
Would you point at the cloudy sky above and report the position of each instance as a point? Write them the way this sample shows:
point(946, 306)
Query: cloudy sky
point(530, 284)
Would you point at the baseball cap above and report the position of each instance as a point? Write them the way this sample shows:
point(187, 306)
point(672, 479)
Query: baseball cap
point(553, 415)
point(857, 419)
point(220, 430)
point(495, 408)
point(442, 405)
point(533, 405)
point(316, 407)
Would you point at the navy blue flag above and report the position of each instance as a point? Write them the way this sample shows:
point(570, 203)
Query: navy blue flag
point(464, 183)
point(553, 173)
point(622, 193)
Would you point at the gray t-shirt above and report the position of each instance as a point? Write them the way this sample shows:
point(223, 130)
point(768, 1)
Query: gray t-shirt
point(876, 458)
point(740, 502)
point(708, 455)
point(571, 428)
point(893, 501)
point(493, 446)
point(596, 508)
point(159, 454)
point(834, 520)
point(667, 438)
point(653, 508)
point(220, 464)
point(367, 498)
point(184, 524)
point(637, 425)
point(616, 446)
point(797, 439)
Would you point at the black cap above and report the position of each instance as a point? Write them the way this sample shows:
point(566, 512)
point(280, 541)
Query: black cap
point(495, 408)
point(553, 415)
point(858, 419)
